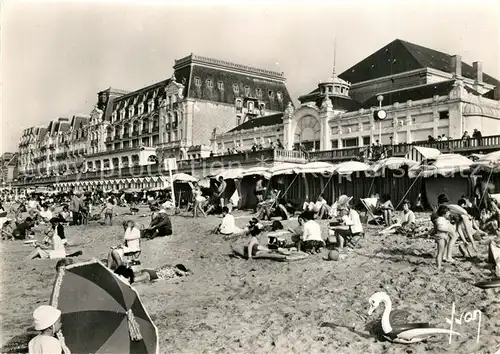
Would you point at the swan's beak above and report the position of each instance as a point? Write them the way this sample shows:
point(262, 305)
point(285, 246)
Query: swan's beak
point(370, 311)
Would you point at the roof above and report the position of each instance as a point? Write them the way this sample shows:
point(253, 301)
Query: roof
point(338, 102)
point(79, 121)
point(415, 93)
point(490, 94)
point(269, 88)
point(269, 120)
point(401, 56)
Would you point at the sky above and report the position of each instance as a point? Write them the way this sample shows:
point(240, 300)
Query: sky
point(56, 56)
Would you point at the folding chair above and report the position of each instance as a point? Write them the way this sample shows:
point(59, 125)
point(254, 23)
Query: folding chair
point(352, 240)
point(132, 258)
point(370, 205)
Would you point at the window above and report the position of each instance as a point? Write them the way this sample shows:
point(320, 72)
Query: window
point(239, 103)
point(113, 117)
point(366, 140)
point(247, 91)
point(270, 94)
point(330, 89)
point(444, 115)
point(350, 142)
point(210, 83)
point(279, 95)
point(197, 81)
point(141, 108)
point(250, 106)
point(122, 114)
point(151, 105)
point(220, 85)
point(258, 92)
point(236, 88)
point(262, 106)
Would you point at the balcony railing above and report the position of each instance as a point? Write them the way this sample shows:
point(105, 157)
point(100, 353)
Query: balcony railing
point(458, 146)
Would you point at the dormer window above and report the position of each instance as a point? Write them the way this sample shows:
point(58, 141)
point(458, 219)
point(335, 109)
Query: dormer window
point(279, 95)
point(262, 106)
point(271, 94)
point(197, 81)
point(210, 83)
point(113, 117)
point(122, 114)
point(236, 88)
point(151, 106)
point(220, 85)
point(239, 103)
point(258, 92)
point(250, 106)
point(141, 108)
point(247, 91)
point(131, 111)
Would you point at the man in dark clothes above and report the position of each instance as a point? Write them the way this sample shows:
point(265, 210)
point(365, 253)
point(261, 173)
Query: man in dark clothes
point(160, 226)
point(478, 136)
point(23, 229)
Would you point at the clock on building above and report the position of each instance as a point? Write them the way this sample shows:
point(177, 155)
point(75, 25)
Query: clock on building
point(379, 115)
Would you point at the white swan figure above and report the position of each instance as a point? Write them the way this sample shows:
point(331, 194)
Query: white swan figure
point(405, 333)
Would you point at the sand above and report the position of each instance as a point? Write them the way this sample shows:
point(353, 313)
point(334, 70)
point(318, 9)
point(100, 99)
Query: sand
point(230, 305)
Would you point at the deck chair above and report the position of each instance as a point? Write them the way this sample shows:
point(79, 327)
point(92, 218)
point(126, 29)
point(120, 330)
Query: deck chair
point(132, 258)
point(370, 205)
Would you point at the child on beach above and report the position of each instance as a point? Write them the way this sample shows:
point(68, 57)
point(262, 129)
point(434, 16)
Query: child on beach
point(48, 321)
point(445, 236)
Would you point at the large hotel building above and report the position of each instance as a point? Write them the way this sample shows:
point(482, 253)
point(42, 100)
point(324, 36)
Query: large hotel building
point(208, 106)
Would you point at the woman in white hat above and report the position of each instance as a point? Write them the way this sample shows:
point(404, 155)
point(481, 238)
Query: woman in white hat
point(48, 321)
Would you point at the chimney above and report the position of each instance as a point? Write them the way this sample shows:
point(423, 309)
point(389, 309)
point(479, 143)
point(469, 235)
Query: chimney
point(496, 93)
point(478, 72)
point(456, 66)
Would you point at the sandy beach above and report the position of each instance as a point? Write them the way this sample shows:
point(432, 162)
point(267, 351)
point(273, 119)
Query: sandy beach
point(230, 305)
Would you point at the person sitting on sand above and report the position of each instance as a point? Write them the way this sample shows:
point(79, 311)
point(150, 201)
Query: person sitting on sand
point(45, 214)
point(350, 225)
point(57, 227)
point(387, 209)
point(65, 215)
point(228, 225)
point(320, 208)
point(311, 240)
point(131, 244)
point(150, 275)
point(24, 229)
point(7, 230)
point(56, 252)
point(47, 320)
point(406, 225)
point(160, 226)
point(445, 236)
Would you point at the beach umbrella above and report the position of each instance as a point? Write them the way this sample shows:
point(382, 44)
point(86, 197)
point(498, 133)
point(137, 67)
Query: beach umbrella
point(444, 165)
point(283, 169)
point(258, 171)
point(489, 163)
point(183, 177)
point(316, 167)
point(349, 167)
point(100, 312)
point(391, 163)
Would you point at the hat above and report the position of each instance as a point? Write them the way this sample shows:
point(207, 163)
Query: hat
point(45, 316)
point(442, 198)
point(162, 211)
point(344, 200)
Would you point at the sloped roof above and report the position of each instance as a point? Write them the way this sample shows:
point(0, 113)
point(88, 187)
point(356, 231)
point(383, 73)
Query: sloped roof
point(401, 56)
point(269, 120)
point(338, 102)
point(414, 93)
point(79, 121)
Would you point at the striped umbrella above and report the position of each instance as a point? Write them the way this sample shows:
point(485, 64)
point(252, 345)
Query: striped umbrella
point(101, 313)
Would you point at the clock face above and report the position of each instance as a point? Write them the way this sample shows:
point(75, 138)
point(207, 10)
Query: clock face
point(382, 114)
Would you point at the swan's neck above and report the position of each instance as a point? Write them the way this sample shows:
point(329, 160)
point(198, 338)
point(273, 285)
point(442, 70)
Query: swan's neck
point(386, 323)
